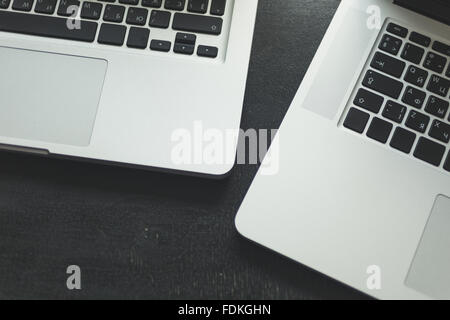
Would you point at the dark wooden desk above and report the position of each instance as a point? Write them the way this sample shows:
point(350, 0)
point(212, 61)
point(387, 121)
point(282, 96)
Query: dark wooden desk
point(137, 234)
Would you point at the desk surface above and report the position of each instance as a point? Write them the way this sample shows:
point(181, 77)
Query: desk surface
point(148, 235)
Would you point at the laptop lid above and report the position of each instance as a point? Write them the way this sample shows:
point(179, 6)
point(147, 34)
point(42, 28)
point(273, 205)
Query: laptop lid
point(435, 9)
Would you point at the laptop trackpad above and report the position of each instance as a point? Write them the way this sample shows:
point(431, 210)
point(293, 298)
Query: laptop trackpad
point(429, 271)
point(49, 97)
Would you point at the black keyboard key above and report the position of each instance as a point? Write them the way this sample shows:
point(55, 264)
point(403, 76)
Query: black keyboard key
point(394, 111)
point(114, 13)
point(368, 100)
point(416, 76)
point(131, 2)
point(198, 6)
point(437, 107)
point(439, 85)
point(186, 38)
point(413, 53)
point(160, 19)
point(390, 44)
point(414, 97)
point(160, 45)
point(429, 151)
point(112, 34)
point(91, 10)
point(183, 48)
point(138, 38)
point(197, 23)
point(109, 1)
point(137, 16)
point(447, 163)
point(447, 74)
point(68, 8)
point(420, 39)
point(441, 48)
point(218, 7)
point(397, 30)
point(152, 3)
point(440, 131)
point(356, 120)
point(45, 6)
point(46, 26)
point(388, 64)
point(379, 130)
point(417, 121)
point(4, 4)
point(383, 84)
point(22, 5)
point(403, 140)
point(175, 5)
point(207, 51)
point(435, 62)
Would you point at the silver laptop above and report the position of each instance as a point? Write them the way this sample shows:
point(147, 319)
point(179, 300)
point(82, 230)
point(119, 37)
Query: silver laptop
point(363, 189)
point(112, 80)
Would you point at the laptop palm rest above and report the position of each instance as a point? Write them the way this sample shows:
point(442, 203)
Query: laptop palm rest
point(430, 269)
point(49, 97)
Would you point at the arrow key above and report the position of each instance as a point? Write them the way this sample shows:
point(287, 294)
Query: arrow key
point(183, 48)
point(208, 52)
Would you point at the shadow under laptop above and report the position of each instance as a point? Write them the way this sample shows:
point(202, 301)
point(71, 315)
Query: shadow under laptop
point(109, 178)
point(305, 282)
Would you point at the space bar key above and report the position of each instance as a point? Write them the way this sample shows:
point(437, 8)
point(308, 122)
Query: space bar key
point(45, 26)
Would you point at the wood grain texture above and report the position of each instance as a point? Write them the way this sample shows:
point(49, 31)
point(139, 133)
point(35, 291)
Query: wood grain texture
point(141, 235)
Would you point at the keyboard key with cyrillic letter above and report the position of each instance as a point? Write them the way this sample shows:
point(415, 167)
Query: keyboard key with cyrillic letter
point(437, 107)
point(68, 8)
point(439, 85)
point(414, 97)
point(416, 76)
point(440, 131)
point(45, 6)
point(114, 13)
point(435, 62)
point(417, 121)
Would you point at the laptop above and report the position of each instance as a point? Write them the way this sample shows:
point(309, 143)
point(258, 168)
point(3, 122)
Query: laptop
point(363, 188)
point(112, 80)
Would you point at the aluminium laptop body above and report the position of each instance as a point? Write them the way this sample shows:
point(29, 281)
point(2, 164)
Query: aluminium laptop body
point(363, 189)
point(113, 80)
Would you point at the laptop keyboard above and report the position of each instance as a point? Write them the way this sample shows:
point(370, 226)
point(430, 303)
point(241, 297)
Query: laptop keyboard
point(403, 99)
point(120, 22)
